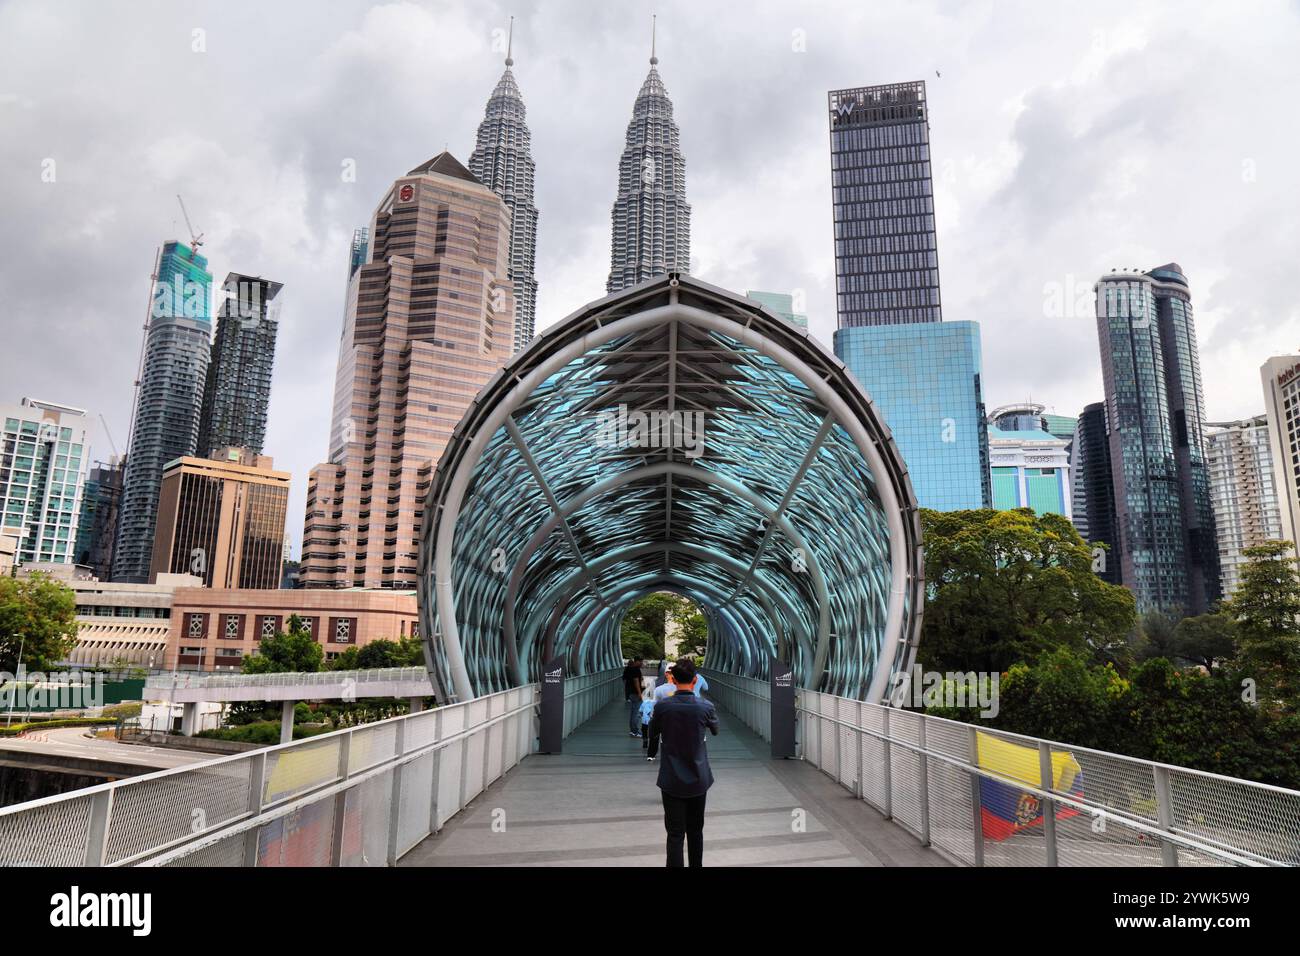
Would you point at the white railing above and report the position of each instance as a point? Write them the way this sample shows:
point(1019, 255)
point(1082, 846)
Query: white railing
point(363, 796)
point(975, 794)
point(189, 680)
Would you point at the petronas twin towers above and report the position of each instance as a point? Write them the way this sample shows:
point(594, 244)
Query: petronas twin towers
point(651, 219)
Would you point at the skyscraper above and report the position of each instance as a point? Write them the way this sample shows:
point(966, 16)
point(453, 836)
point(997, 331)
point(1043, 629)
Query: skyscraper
point(503, 162)
point(1242, 490)
point(222, 519)
point(651, 218)
point(886, 252)
point(925, 379)
point(429, 319)
point(1164, 519)
point(1281, 378)
point(42, 478)
point(98, 525)
point(169, 399)
point(924, 375)
point(237, 391)
point(1094, 512)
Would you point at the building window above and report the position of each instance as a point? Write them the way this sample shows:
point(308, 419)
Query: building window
point(270, 624)
point(343, 630)
point(195, 628)
point(232, 627)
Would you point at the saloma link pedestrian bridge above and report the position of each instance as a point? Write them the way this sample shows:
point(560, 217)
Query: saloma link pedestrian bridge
point(671, 437)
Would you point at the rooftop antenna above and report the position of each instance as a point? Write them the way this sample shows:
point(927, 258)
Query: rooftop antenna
point(654, 19)
point(510, 45)
point(195, 240)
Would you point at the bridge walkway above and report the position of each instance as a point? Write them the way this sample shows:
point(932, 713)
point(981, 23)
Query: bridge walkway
point(596, 804)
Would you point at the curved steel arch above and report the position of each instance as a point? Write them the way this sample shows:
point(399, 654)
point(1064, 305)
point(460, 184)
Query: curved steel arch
point(790, 435)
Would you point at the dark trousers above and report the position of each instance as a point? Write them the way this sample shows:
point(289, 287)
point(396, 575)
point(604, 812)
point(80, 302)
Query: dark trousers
point(684, 818)
point(645, 736)
point(633, 711)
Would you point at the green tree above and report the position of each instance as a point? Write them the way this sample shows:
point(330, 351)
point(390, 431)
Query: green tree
point(643, 627)
point(38, 615)
point(346, 660)
point(292, 652)
point(692, 629)
point(1207, 640)
point(1266, 609)
point(1009, 586)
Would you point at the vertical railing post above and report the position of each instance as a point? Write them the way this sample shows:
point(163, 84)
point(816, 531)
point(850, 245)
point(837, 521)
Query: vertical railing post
point(924, 779)
point(860, 789)
point(436, 773)
point(341, 801)
point(977, 828)
point(101, 816)
point(256, 791)
point(1165, 814)
point(395, 795)
point(1047, 780)
point(889, 764)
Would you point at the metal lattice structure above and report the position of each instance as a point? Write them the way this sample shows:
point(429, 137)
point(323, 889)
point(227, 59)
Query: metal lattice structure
point(790, 521)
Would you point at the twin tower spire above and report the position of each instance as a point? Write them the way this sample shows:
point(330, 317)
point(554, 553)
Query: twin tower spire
point(651, 220)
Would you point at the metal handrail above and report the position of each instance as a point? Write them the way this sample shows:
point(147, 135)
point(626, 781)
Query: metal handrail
point(1162, 828)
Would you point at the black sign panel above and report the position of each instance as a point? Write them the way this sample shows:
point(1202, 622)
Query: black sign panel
point(783, 717)
point(551, 734)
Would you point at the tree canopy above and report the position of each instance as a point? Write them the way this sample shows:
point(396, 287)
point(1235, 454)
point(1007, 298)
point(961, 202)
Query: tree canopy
point(1007, 586)
point(39, 616)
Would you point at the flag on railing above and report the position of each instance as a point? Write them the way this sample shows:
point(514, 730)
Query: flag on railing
point(1005, 808)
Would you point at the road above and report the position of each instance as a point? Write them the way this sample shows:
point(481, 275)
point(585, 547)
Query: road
point(72, 742)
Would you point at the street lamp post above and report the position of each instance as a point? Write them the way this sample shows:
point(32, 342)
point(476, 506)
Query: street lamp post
point(13, 697)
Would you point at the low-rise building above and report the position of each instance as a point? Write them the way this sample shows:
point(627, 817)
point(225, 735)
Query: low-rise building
point(215, 629)
point(122, 624)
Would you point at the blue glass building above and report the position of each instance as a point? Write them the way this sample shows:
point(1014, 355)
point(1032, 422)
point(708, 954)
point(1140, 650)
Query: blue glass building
point(924, 377)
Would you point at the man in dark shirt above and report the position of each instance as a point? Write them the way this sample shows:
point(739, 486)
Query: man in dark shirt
point(632, 686)
point(678, 724)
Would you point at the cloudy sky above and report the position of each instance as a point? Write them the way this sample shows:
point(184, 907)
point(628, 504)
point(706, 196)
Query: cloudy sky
point(1068, 139)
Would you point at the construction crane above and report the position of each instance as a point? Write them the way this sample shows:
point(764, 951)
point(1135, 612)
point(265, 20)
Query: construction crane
point(195, 240)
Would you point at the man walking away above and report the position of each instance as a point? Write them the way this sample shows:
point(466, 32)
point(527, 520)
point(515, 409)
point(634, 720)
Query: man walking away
point(679, 723)
point(632, 687)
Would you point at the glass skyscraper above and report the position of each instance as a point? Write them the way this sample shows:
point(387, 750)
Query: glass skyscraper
point(651, 219)
point(925, 379)
point(782, 304)
point(237, 393)
point(922, 373)
point(886, 253)
point(502, 160)
point(169, 399)
point(1164, 518)
point(1094, 490)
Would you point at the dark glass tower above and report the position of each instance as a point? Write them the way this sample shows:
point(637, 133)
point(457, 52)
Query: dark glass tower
point(1187, 424)
point(169, 400)
point(98, 524)
point(1164, 519)
point(1094, 516)
point(237, 393)
point(886, 253)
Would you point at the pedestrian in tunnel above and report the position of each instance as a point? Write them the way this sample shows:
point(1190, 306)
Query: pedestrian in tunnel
point(647, 711)
point(633, 685)
point(679, 723)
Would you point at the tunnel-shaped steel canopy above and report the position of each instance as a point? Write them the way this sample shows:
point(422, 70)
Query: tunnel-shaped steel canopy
point(671, 437)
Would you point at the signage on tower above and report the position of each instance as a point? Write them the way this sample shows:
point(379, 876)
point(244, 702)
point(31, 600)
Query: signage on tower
point(406, 193)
